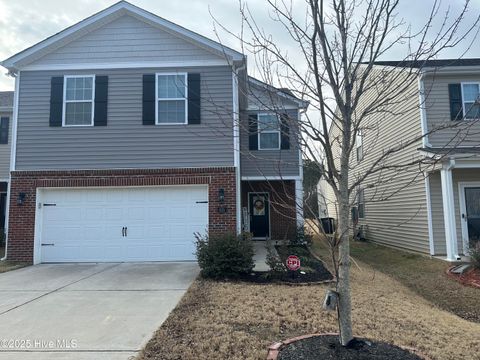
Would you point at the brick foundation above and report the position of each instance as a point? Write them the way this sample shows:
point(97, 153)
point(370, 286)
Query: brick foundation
point(22, 217)
point(282, 206)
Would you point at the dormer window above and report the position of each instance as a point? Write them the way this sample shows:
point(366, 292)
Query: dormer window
point(268, 132)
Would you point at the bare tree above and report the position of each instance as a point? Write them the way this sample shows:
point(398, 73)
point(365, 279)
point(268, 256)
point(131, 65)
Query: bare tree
point(338, 44)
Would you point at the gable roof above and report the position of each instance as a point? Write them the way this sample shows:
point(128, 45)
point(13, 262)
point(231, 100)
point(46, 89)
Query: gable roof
point(282, 92)
point(439, 63)
point(6, 99)
point(111, 13)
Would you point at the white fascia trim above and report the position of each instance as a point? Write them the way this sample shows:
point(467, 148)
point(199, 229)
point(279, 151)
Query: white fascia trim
point(276, 109)
point(13, 151)
point(423, 112)
point(236, 149)
point(266, 178)
point(123, 8)
point(429, 215)
point(126, 65)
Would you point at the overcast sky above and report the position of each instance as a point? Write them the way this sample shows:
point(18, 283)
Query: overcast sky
point(26, 22)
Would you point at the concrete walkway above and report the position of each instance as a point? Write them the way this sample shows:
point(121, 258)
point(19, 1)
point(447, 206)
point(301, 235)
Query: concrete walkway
point(260, 256)
point(87, 311)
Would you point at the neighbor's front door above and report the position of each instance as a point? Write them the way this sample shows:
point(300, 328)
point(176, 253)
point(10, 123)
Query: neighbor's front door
point(259, 206)
point(472, 205)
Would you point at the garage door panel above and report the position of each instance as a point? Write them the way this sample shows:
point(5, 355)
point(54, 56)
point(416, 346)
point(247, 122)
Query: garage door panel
point(86, 224)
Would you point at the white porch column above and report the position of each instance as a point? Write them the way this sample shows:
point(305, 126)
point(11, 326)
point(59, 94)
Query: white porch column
point(299, 202)
point(449, 210)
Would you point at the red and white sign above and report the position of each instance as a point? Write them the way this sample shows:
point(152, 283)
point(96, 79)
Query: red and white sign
point(293, 263)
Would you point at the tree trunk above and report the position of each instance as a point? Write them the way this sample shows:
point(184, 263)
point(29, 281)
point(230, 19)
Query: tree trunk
point(343, 281)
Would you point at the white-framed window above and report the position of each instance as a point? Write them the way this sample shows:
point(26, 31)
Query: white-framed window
point(78, 100)
point(359, 145)
point(470, 100)
point(171, 99)
point(361, 203)
point(268, 132)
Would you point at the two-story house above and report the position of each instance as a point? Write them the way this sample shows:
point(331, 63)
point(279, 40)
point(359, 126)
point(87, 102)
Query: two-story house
point(132, 133)
point(433, 205)
point(6, 112)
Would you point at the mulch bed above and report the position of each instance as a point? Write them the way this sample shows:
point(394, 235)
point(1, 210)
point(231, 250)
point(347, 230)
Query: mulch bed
point(469, 278)
point(315, 271)
point(327, 347)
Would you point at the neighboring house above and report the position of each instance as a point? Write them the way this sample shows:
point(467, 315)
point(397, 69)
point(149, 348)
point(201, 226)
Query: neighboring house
point(127, 141)
point(436, 212)
point(6, 112)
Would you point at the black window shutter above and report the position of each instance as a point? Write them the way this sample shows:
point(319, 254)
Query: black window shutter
point(101, 101)
point(148, 99)
point(285, 132)
point(56, 101)
point(193, 98)
point(4, 123)
point(252, 132)
point(456, 106)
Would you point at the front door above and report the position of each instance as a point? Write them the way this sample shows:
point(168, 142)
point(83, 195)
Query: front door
point(259, 206)
point(472, 216)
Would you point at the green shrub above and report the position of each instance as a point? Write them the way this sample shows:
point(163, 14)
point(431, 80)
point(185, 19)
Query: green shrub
point(302, 238)
point(224, 256)
point(273, 260)
point(475, 255)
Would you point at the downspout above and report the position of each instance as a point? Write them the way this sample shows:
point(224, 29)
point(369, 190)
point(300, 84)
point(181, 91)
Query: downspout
point(236, 145)
point(299, 183)
point(13, 150)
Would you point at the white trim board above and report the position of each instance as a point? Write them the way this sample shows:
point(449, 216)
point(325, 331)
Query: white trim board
point(462, 185)
point(266, 178)
point(429, 215)
point(111, 13)
point(125, 65)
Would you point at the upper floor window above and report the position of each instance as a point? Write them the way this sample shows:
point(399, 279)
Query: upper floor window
point(359, 144)
point(361, 203)
point(268, 132)
point(78, 98)
point(171, 99)
point(470, 99)
point(4, 125)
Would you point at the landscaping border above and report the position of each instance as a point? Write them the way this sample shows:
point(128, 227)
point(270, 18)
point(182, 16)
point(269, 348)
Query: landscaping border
point(459, 279)
point(274, 349)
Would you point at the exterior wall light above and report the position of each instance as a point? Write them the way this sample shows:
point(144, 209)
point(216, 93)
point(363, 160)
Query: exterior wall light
point(21, 198)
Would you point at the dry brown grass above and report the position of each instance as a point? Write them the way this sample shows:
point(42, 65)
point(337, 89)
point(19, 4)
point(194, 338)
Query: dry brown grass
point(238, 321)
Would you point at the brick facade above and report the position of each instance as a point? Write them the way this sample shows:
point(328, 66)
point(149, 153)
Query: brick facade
point(282, 206)
point(22, 217)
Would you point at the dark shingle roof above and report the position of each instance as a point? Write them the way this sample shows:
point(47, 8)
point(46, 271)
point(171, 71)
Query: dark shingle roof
point(430, 63)
point(6, 98)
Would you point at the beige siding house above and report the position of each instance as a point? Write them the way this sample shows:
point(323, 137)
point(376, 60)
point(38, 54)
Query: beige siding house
point(432, 208)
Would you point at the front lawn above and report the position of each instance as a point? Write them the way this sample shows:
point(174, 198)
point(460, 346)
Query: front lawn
point(238, 320)
point(425, 276)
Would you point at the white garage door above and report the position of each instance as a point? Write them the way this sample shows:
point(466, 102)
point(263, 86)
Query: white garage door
point(121, 224)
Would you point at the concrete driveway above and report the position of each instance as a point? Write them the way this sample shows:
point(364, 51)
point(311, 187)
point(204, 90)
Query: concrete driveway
point(87, 311)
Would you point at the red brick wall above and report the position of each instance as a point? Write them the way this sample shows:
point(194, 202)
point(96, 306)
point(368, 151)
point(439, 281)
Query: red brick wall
point(22, 217)
point(282, 205)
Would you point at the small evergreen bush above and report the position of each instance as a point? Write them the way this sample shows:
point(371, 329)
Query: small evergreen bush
point(475, 255)
point(226, 256)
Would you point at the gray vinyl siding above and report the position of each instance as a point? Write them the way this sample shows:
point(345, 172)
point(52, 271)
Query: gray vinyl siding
point(437, 104)
point(459, 175)
point(125, 142)
point(268, 162)
point(5, 149)
point(126, 39)
point(395, 200)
